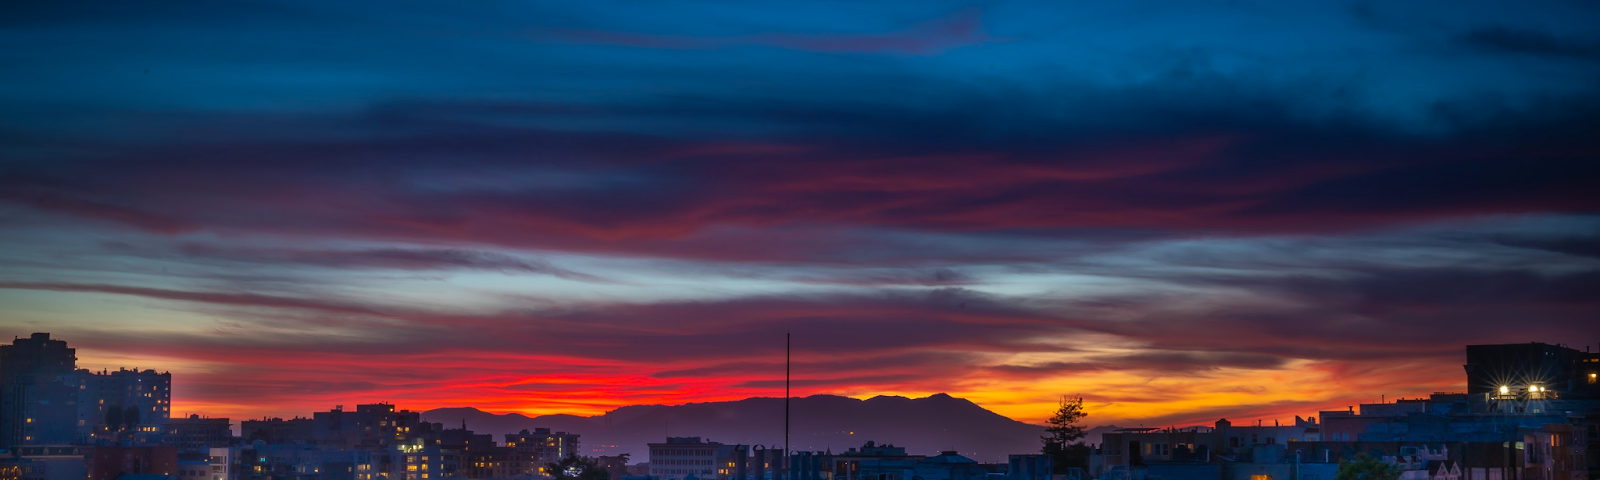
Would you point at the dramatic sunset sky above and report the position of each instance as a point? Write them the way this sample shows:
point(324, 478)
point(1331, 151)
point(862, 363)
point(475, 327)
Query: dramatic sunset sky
point(1178, 210)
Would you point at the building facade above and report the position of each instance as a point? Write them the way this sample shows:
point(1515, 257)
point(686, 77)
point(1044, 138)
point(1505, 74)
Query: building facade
point(372, 426)
point(143, 396)
point(1554, 371)
point(533, 450)
point(276, 430)
point(45, 462)
point(196, 434)
point(681, 457)
point(38, 397)
point(109, 462)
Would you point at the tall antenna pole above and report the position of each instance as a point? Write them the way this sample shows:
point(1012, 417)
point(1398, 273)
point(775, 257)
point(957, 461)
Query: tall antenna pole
point(786, 342)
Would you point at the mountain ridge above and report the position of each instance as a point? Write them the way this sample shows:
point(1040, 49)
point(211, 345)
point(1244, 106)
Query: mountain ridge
point(924, 426)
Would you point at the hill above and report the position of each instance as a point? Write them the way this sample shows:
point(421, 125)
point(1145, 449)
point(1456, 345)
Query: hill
point(819, 422)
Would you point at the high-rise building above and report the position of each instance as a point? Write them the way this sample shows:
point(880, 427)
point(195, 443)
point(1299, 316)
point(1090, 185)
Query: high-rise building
point(372, 425)
point(196, 434)
point(143, 399)
point(38, 394)
point(533, 450)
point(411, 462)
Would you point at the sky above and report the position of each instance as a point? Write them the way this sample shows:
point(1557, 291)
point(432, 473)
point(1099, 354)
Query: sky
point(1179, 211)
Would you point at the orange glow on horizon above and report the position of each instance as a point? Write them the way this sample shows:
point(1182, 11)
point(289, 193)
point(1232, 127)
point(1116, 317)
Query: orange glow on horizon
point(1118, 398)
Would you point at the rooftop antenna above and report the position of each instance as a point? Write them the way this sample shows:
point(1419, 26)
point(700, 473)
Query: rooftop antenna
point(786, 343)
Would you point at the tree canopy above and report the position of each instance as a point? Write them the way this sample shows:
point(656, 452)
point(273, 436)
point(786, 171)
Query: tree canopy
point(1363, 467)
point(576, 468)
point(130, 418)
point(1063, 440)
point(114, 418)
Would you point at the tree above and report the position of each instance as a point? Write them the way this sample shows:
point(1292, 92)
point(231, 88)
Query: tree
point(114, 418)
point(1063, 440)
point(130, 417)
point(616, 465)
point(576, 468)
point(1363, 467)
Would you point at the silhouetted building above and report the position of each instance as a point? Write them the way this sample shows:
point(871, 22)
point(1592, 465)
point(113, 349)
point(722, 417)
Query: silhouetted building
point(493, 462)
point(949, 465)
point(193, 470)
point(886, 462)
point(1532, 370)
point(732, 462)
point(375, 425)
point(261, 461)
point(1029, 466)
point(44, 462)
point(411, 462)
point(683, 456)
point(145, 392)
point(533, 450)
point(871, 461)
point(1529, 414)
point(276, 430)
point(108, 463)
point(38, 394)
point(768, 463)
point(198, 435)
point(222, 463)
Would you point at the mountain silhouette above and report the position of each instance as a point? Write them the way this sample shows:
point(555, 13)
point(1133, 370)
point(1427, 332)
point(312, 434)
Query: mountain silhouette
point(820, 422)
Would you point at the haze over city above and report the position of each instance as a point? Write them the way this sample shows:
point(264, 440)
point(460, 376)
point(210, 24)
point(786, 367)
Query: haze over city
point(1178, 212)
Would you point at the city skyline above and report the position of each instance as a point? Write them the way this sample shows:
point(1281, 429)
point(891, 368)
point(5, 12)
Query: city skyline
point(1514, 389)
point(1178, 212)
point(1181, 419)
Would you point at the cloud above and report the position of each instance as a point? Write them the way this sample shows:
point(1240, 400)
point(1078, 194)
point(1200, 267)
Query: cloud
point(1576, 245)
point(1505, 38)
point(942, 339)
point(964, 28)
point(415, 259)
point(996, 202)
point(1242, 171)
point(89, 208)
point(1152, 362)
point(221, 298)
